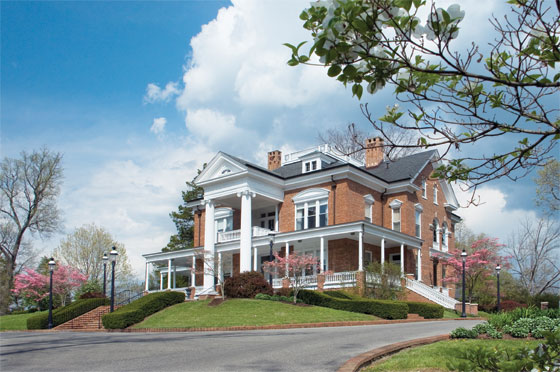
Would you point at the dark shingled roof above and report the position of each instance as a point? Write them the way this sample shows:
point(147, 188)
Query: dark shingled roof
point(392, 171)
point(401, 169)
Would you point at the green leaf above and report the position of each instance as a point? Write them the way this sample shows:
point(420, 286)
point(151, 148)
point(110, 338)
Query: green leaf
point(446, 17)
point(406, 4)
point(293, 62)
point(304, 16)
point(334, 70)
point(357, 90)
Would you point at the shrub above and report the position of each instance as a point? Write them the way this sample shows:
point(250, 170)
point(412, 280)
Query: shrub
point(262, 296)
point(246, 285)
point(483, 328)
point(137, 310)
point(287, 292)
point(66, 313)
point(339, 294)
point(91, 295)
point(509, 305)
point(382, 308)
point(464, 333)
point(552, 300)
point(426, 310)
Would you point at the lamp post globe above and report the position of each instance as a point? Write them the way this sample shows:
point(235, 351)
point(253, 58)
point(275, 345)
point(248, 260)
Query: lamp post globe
point(113, 254)
point(498, 268)
point(105, 259)
point(463, 308)
point(52, 265)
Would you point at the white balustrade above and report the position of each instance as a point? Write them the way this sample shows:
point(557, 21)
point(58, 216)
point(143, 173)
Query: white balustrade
point(343, 277)
point(227, 236)
point(260, 231)
point(431, 293)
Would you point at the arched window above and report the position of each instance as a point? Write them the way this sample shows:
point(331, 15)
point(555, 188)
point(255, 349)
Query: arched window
point(435, 194)
point(444, 233)
point(435, 229)
point(311, 208)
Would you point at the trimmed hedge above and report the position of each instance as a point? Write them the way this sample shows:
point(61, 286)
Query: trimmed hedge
point(426, 310)
point(381, 308)
point(66, 313)
point(246, 285)
point(137, 310)
point(338, 294)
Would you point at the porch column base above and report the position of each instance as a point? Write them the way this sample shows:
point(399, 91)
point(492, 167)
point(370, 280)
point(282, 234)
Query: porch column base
point(193, 289)
point(361, 282)
point(285, 282)
point(320, 282)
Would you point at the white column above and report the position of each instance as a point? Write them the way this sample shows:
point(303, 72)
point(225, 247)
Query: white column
point(246, 231)
point(209, 244)
point(169, 274)
point(287, 255)
point(419, 264)
point(220, 272)
point(360, 251)
point(255, 258)
point(193, 272)
point(402, 259)
point(174, 275)
point(147, 278)
point(382, 251)
point(322, 254)
point(276, 221)
point(161, 281)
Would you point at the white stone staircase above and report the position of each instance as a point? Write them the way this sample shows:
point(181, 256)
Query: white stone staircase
point(431, 293)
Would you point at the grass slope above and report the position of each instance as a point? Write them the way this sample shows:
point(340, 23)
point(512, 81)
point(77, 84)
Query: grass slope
point(434, 357)
point(244, 312)
point(15, 322)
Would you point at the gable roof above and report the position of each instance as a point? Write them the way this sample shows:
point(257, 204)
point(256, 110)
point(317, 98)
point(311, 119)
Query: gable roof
point(403, 168)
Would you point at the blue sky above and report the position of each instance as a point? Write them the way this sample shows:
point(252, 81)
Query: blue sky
point(138, 95)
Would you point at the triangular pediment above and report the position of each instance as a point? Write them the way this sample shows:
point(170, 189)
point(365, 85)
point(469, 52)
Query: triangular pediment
point(220, 166)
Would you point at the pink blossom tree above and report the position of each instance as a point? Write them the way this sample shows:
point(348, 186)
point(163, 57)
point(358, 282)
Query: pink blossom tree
point(293, 266)
point(480, 264)
point(34, 286)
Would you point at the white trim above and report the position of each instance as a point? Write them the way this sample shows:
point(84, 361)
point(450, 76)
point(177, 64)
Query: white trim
point(310, 195)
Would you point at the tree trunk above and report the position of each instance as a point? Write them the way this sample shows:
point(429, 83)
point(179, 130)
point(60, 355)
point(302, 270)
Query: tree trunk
point(6, 284)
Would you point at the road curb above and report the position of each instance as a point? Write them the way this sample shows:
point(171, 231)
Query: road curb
point(362, 360)
point(248, 328)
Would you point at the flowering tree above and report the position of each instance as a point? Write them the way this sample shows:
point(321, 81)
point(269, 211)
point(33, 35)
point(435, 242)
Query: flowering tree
point(212, 265)
point(34, 286)
point(480, 264)
point(296, 266)
point(451, 98)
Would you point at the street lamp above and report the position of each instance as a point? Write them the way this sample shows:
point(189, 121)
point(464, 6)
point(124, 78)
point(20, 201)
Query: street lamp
point(271, 234)
point(113, 255)
point(498, 268)
point(52, 264)
point(464, 257)
point(105, 259)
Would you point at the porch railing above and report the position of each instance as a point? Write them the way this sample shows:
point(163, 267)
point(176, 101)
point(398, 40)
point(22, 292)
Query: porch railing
point(227, 236)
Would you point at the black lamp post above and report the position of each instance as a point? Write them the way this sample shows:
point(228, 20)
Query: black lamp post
point(271, 234)
point(464, 257)
point(113, 255)
point(105, 259)
point(52, 264)
point(498, 268)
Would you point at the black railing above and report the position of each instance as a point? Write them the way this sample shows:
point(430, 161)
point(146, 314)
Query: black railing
point(127, 296)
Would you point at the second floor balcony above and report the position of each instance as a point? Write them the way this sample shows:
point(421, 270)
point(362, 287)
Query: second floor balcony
point(227, 236)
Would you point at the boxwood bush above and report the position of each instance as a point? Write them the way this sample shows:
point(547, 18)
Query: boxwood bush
point(382, 308)
point(66, 313)
point(246, 285)
point(137, 310)
point(426, 310)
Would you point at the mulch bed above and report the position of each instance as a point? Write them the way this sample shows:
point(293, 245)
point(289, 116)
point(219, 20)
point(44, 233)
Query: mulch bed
point(216, 301)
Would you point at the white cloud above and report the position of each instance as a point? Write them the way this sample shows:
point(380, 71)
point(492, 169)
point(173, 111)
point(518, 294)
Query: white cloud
point(212, 126)
point(492, 216)
point(158, 125)
point(155, 94)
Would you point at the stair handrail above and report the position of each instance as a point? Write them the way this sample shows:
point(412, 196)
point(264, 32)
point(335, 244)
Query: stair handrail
point(130, 298)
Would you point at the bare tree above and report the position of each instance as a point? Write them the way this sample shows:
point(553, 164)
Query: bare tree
point(29, 188)
point(351, 141)
point(212, 264)
point(535, 255)
point(548, 187)
point(83, 249)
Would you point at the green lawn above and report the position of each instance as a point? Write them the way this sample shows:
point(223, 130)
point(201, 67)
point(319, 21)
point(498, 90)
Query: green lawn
point(244, 312)
point(15, 322)
point(434, 357)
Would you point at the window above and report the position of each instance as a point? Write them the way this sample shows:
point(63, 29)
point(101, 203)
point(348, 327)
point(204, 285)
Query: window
point(397, 219)
point(424, 189)
point(311, 209)
point(435, 229)
point(435, 194)
point(368, 258)
point(268, 220)
point(396, 214)
point(368, 202)
point(309, 166)
point(418, 220)
point(224, 219)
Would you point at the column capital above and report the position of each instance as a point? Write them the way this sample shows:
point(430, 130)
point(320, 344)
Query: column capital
point(208, 202)
point(247, 192)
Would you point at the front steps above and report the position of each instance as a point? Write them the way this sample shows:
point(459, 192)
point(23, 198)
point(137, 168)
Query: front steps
point(89, 321)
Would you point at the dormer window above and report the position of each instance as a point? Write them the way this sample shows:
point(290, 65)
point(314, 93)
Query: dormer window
point(311, 165)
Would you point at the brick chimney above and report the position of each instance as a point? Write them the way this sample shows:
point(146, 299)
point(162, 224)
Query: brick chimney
point(374, 152)
point(274, 159)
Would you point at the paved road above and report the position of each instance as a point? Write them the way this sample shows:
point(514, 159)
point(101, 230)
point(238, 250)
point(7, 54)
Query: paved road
point(311, 349)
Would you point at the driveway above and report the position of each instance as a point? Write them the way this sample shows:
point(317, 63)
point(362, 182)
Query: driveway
point(307, 349)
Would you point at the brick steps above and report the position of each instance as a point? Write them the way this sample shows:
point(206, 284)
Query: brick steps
point(88, 321)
